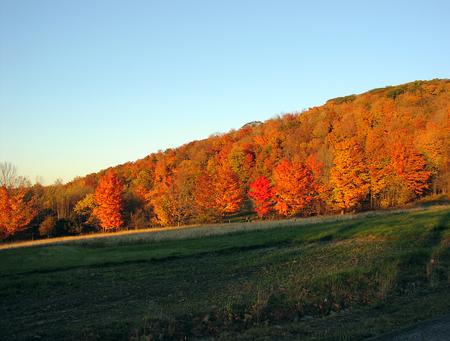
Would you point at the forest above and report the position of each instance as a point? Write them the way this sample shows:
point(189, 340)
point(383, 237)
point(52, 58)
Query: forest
point(381, 149)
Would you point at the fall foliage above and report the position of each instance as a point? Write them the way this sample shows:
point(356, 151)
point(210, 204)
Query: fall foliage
point(108, 197)
point(261, 193)
point(383, 148)
point(349, 176)
point(228, 194)
point(294, 187)
point(203, 198)
point(410, 166)
point(16, 211)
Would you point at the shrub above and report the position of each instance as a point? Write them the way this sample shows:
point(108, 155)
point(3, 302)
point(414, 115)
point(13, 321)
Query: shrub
point(47, 227)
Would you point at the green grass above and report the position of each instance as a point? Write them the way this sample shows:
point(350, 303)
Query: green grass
point(337, 280)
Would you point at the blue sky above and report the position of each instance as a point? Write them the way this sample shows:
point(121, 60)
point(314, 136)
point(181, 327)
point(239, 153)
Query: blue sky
point(85, 85)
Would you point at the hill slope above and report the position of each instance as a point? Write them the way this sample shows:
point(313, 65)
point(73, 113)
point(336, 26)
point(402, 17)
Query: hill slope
point(383, 148)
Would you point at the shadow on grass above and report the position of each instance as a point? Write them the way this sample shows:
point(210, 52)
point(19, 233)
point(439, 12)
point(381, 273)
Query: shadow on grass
point(417, 268)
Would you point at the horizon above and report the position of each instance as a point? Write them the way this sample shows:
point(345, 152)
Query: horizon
point(80, 93)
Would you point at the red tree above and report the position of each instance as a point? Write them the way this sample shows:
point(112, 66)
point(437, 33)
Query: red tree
point(261, 193)
point(108, 197)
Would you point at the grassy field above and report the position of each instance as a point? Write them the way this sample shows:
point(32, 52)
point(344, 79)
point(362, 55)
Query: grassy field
point(347, 279)
point(190, 231)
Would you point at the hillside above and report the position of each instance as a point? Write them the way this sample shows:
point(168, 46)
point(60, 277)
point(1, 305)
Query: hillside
point(402, 123)
point(351, 279)
point(380, 149)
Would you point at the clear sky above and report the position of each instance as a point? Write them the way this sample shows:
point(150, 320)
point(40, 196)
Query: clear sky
point(85, 85)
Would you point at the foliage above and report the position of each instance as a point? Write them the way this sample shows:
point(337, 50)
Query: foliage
point(108, 198)
point(139, 219)
point(203, 196)
point(16, 210)
point(47, 227)
point(380, 149)
point(410, 166)
point(86, 205)
point(349, 176)
point(84, 216)
point(294, 188)
point(228, 194)
point(261, 193)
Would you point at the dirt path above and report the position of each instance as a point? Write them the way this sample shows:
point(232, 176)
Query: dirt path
point(437, 329)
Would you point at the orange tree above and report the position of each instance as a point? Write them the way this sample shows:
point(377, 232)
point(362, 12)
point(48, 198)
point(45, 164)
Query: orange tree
point(410, 166)
point(228, 195)
point(108, 197)
point(349, 176)
point(16, 211)
point(294, 188)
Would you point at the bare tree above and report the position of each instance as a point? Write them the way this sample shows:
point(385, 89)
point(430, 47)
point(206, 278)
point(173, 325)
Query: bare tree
point(8, 174)
point(9, 177)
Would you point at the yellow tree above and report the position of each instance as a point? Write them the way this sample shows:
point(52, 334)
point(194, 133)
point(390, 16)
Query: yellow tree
point(108, 197)
point(349, 175)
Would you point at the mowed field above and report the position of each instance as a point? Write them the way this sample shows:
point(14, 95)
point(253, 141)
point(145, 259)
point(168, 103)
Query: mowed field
point(348, 279)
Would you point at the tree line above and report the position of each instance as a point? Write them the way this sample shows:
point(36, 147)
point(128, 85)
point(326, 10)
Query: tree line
point(380, 149)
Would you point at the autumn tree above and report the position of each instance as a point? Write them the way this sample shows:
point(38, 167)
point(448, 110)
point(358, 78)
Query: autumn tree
point(242, 160)
point(294, 187)
point(317, 167)
point(349, 176)
point(435, 141)
point(228, 195)
point(47, 226)
point(161, 198)
point(378, 167)
point(17, 204)
point(261, 193)
point(410, 166)
point(16, 210)
point(184, 177)
point(143, 183)
point(398, 173)
point(217, 192)
point(84, 211)
point(172, 195)
point(203, 196)
point(108, 198)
